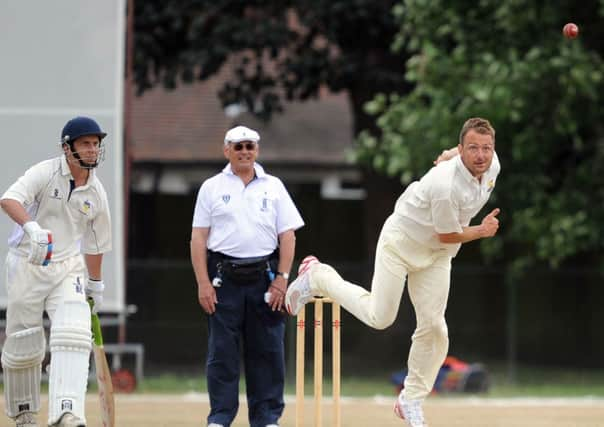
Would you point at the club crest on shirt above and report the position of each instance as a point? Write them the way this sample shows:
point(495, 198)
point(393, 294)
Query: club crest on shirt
point(55, 194)
point(86, 206)
point(226, 198)
point(490, 185)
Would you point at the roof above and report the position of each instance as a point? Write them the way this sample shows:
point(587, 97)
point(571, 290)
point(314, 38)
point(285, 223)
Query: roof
point(188, 125)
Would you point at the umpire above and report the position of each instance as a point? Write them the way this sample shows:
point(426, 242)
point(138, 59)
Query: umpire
point(242, 249)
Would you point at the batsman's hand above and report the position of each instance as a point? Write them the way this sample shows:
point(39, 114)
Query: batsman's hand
point(490, 224)
point(40, 248)
point(206, 294)
point(94, 291)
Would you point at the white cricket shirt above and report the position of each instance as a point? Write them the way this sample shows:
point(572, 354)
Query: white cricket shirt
point(245, 221)
point(78, 218)
point(445, 200)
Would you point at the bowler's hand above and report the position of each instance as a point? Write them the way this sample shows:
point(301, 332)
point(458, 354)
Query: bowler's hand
point(446, 155)
point(490, 224)
point(277, 290)
point(206, 294)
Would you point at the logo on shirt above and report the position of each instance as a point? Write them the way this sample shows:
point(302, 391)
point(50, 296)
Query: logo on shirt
point(55, 194)
point(226, 198)
point(78, 285)
point(264, 207)
point(490, 185)
point(86, 206)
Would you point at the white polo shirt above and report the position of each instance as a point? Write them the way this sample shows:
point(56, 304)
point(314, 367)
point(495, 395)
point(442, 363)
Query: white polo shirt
point(245, 221)
point(78, 218)
point(445, 200)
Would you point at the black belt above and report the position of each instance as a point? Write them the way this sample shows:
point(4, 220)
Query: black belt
point(242, 269)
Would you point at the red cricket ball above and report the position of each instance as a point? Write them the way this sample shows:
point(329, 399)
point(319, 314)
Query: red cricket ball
point(570, 30)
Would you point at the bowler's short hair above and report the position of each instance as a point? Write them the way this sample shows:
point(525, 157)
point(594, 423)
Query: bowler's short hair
point(479, 125)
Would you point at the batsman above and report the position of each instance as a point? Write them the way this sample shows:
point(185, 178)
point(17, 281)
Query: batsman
point(430, 221)
point(62, 230)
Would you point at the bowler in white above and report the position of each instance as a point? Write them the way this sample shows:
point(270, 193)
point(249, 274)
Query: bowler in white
point(430, 221)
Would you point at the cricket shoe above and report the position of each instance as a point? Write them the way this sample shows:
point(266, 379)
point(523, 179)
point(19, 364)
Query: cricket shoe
point(411, 411)
point(299, 292)
point(70, 420)
point(26, 419)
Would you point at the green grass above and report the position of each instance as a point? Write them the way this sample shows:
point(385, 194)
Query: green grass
point(531, 381)
point(167, 383)
point(548, 382)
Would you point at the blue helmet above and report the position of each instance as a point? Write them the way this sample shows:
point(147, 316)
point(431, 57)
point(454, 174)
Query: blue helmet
point(80, 126)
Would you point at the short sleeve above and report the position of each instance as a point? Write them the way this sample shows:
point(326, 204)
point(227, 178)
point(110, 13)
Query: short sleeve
point(201, 213)
point(445, 216)
point(28, 186)
point(288, 217)
point(97, 237)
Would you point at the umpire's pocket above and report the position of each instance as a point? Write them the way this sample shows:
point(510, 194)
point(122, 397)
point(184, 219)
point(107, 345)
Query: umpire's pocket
point(269, 316)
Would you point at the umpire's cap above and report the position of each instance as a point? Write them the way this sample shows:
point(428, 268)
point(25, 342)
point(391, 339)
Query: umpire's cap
point(241, 133)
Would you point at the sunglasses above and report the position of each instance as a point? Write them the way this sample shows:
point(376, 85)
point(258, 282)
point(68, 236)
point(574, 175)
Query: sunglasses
point(249, 146)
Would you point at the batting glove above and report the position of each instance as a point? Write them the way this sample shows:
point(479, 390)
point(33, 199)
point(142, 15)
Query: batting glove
point(40, 248)
point(94, 291)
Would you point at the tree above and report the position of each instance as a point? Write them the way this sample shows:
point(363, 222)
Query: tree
point(506, 61)
point(276, 49)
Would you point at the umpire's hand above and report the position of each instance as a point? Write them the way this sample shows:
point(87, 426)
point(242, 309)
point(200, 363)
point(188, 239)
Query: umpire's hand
point(206, 294)
point(277, 290)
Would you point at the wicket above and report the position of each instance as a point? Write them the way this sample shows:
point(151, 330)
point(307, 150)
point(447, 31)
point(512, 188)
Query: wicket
point(318, 362)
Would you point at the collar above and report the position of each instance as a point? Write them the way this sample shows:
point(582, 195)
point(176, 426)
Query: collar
point(65, 166)
point(259, 170)
point(463, 170)
point(465, 173)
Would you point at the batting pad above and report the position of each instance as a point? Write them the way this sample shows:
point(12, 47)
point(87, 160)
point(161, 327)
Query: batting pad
point(22, 357)
point(70, 344)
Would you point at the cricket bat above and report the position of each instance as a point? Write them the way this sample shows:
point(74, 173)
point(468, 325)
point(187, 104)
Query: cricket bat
point(103, 374)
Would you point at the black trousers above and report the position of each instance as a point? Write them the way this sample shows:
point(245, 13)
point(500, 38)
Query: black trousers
point(244, 321)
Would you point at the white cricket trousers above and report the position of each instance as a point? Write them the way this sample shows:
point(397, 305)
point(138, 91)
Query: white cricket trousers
point(32, 289)
point(428, 277)
point(58, 288)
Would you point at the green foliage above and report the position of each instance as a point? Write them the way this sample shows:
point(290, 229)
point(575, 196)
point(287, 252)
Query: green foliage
point(508, 62)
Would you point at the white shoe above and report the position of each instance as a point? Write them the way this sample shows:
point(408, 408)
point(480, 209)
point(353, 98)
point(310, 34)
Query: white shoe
point(272, 425)
point(299, 292)
point(215, 425)
point(70, 420)
point(411, 411)
point(26, 419)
